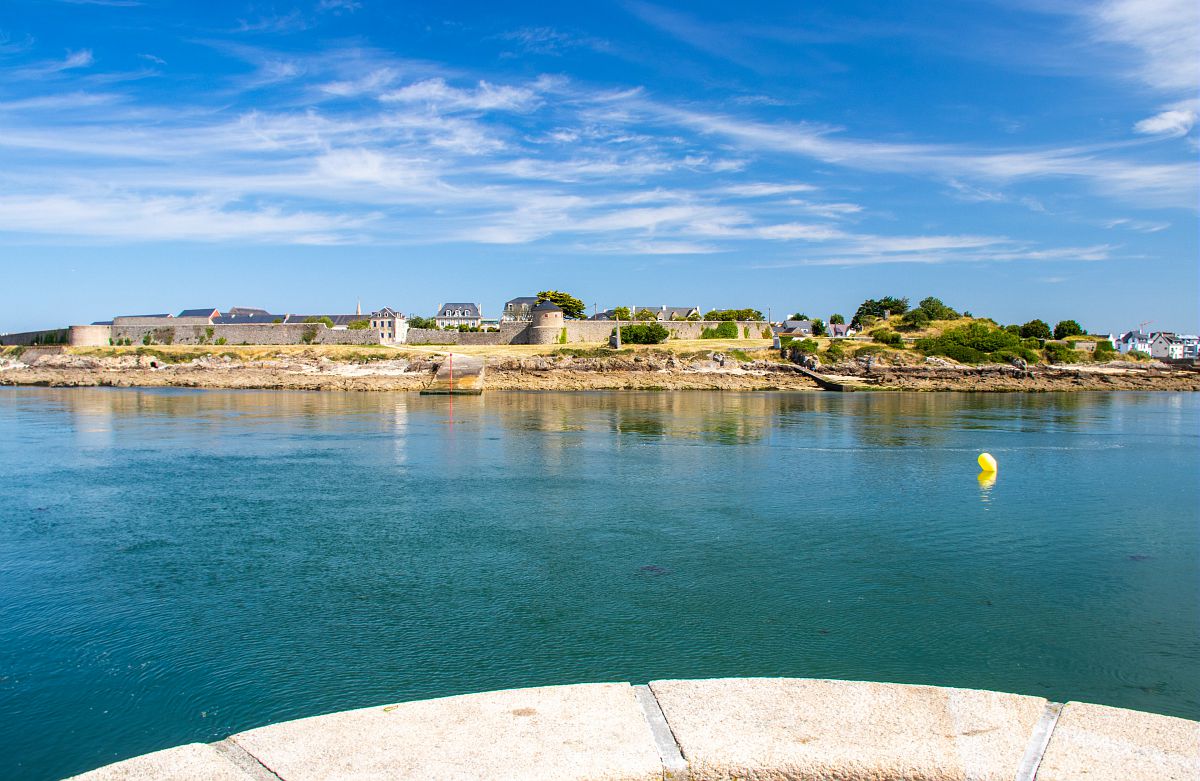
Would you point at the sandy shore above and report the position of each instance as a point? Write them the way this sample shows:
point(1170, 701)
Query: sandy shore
point(638, 370)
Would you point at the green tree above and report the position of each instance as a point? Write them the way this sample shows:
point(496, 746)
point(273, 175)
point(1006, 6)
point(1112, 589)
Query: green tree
point(1067, 328)
point(569, 304)
point(878, 307)
point(1035, 329)
point(622, 313)
point(645, 314)
point(325, 320)
point(416, 321)
point(818, 327)
point(798, 316)
point(359, 325)
point(734, 314)
point(837, 319)
point(936, 310)
point(917, 319)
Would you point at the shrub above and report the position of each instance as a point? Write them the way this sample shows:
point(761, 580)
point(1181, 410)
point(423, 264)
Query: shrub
point(726, 330)
point(1104, 351)
point(1067, 328)
point(766, 333)
point(645, 314)
point(647, 333)
point(359, 325)
point(807, 346)
point(1057, 352)
point(974, 343)
point(326, 320)
point(746, 332)
point(1013, 329)
point(963, 354)
point(148, 338)
point(888, 336)
point(835, 354)
point(562, 337)
point(309, 335)
point(221, 340)
point(868, 350)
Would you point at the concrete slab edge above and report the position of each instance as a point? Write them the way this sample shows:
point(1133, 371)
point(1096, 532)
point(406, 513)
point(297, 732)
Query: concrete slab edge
point(675, 767)
point(1039, 740)
point(247, 762)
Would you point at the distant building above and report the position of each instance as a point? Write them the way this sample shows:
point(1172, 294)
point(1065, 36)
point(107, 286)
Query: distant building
point(200, 314)
point(1166, 345)
point(454, 315)
point(519, 310)
point(1133, 340)
point(793, 328)
point(838, 330)
point(391, 325)
point(1191, 345)
point(666, 313)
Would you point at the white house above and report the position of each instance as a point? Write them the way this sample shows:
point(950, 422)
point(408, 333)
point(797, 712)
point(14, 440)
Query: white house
point(1133, 340)
point(1166, 345)
point(454, 315)
point(391, 325)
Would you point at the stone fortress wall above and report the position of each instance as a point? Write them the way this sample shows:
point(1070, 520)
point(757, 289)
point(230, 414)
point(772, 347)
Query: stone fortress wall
point(577, 332)
point(760, 728)
point(175, 330)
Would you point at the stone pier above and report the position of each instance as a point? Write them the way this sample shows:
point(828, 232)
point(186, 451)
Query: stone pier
point(736, 728)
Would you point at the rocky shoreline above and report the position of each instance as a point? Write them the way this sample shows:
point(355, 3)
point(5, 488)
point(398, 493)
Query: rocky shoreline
point(644, 371)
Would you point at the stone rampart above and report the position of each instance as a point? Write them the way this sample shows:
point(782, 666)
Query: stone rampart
point(90, 335)
point(765, 728)
point(577, 331)
point(268, 333)
point(28, 338)
point(435, 336)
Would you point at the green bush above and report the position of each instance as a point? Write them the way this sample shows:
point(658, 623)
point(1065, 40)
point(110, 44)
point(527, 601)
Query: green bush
point(975, 342)
point(326, 320)
point(1062, 353)
point(1104, 351)
point(936, 310)
point(148, 338)
point(734, 314)
point(726, 330)
point(309, 335)
point(888, 336)
point(221, 340)
point(359, 325)
point(648, 333)
point(835, 354)
point(808, 346)
point(868, 350)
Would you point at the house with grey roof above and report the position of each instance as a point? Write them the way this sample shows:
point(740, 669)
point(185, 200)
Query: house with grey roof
point(1166, 345)
point(392, 326)
point(667, 313)
point(518, 309)
point(454, 315)
point(1133, 340)
point(793, 328)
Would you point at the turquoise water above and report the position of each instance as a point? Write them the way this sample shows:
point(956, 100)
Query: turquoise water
point(179, 565)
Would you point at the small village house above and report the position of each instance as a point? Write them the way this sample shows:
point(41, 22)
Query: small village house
point(454, 315)
point(519, 310)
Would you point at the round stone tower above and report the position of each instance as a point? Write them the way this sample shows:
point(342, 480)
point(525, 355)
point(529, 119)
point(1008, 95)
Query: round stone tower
point(547, 324)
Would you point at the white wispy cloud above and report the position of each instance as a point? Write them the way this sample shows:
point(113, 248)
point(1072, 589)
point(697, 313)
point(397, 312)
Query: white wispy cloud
point(1177, 120)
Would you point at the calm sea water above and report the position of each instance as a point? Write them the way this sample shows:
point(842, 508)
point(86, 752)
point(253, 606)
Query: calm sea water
point(179, 565)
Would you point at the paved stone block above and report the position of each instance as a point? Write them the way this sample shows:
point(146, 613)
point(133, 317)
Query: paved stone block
point(786, 728)
point(1099, 743)
point(589, 731)
point(193, 762)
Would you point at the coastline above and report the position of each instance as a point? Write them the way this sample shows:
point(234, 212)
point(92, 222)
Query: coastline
point(394, 370)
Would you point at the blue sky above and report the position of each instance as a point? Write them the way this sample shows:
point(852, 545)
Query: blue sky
point(1018, 159)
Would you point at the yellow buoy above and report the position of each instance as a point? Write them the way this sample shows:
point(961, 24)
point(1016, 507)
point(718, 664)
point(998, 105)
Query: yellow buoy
point(986, 462)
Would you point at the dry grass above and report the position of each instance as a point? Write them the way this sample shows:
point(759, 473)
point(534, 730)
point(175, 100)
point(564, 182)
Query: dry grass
point(676, 346)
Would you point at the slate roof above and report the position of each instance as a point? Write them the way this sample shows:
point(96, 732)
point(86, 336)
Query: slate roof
point(247, 310)
point(161, 315)
point(469, 310)
point(337, 319)
point(547, 306)
point(213, 312)
point(520, 301)
point(246, 319)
